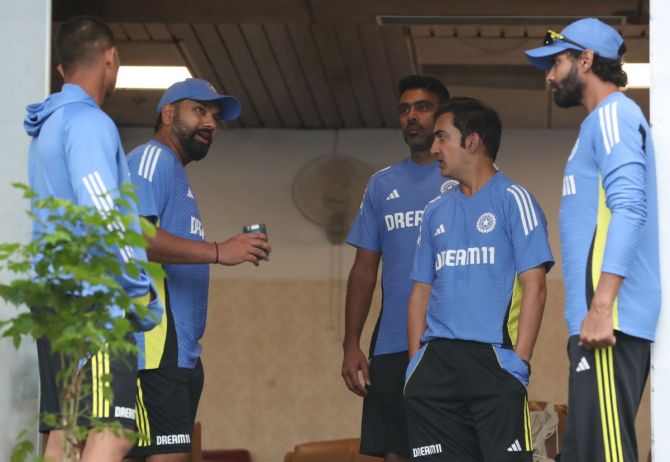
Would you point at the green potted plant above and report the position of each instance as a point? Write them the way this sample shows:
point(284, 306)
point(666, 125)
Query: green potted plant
point(68, 277)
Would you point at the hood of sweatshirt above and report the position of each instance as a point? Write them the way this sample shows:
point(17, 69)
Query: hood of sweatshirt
point(38, 113)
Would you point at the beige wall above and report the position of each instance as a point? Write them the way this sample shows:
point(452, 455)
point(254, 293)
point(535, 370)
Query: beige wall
point(272, 349)
point(272, 357)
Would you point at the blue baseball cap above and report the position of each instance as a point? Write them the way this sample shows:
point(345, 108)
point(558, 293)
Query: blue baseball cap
point(200, 90)
point(584, 34)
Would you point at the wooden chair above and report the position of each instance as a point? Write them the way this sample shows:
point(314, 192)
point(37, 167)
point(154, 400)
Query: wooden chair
point(344, 450)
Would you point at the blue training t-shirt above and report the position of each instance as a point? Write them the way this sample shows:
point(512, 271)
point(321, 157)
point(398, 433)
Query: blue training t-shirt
point(609, 217)
point(166, 197)
point(388, 223)
point(472, 249)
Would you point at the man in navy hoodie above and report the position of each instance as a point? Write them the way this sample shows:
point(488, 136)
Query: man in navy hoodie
point(76, 154)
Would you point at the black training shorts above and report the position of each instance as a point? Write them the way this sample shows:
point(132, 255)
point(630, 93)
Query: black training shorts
point(384, 428)
point(121, 369)
point(465, 402)
point(167, 403)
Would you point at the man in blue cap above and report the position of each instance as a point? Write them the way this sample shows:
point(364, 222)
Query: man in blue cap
point(609, 241)
point(171, 375)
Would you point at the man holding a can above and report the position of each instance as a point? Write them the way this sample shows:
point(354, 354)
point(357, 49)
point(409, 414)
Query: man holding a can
point(171, 375)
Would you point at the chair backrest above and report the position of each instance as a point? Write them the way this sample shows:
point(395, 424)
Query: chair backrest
point(344, 450)
point(226, 455)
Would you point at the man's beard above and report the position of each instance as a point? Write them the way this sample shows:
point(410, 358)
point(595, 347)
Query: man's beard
point(569, 91)
point(194, 149)
point(418, 143)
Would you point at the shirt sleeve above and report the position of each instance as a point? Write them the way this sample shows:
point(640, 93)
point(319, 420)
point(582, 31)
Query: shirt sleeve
point(365, 231)
point(423, 269)
point(620, 154)
point(92, 148)
point(152, 176)
point(527, 229)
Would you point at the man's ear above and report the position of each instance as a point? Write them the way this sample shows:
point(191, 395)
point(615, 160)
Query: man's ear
point(473, 142)
point(585, 61)
point(109, 56)
point(167, 114)
point(60, 70)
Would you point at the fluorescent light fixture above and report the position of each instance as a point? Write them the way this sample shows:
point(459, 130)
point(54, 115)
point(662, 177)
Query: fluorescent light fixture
point(150, 77)
point(639, 75)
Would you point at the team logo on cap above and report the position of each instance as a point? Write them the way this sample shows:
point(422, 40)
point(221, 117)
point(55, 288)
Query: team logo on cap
point(486, 223)
point(447, 185)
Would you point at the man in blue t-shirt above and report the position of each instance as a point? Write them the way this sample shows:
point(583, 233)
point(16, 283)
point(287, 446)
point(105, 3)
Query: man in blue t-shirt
point(171, 375)
point(386, 229)
point(609, 241)
point(477, 301)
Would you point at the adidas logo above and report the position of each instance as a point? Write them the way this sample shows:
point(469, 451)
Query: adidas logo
point(583, 365)
point(439, 230)
point(190, 194)
point(515, 447)
point(394, 195)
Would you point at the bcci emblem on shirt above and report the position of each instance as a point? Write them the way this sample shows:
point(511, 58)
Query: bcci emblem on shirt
point(447, 185)
point(486, 223)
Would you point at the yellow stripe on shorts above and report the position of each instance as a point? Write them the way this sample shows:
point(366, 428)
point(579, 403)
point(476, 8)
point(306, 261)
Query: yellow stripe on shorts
point(528, 428)
point(609, 413)
point(94, 386)
point(106, 381)
point(142, 418)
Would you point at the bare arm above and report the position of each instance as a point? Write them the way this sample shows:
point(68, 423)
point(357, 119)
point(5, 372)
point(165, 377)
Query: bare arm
point(598, 327)
point(534, 285)
point(360, 287)
point(416, 315)
point(168, 248)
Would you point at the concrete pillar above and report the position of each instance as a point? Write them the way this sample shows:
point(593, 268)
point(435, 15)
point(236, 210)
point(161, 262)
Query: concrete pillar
point(25, 36)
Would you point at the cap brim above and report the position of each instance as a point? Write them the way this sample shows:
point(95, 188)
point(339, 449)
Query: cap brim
point(542, 57)
point(229, 108)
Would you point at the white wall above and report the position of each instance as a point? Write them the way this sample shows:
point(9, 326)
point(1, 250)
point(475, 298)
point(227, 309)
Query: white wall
point(247, 178)
point(25, 29)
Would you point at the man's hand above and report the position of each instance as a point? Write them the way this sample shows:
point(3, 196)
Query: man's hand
point(354, 361)
point(597, 328)
point(416, 316)
point(534, 288)
point(251, 247)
